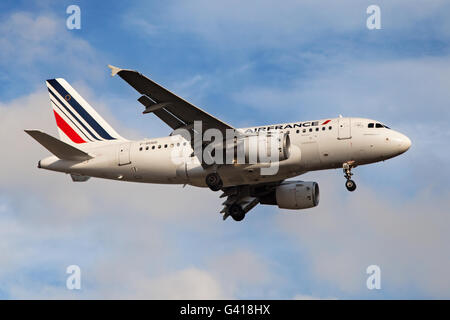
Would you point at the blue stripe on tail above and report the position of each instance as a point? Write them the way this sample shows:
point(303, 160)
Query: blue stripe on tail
point(75, 117)
point(80, 110)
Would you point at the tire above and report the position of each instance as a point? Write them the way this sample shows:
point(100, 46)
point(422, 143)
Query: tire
point(236, 212)
point(213, 181)
point(350, 185)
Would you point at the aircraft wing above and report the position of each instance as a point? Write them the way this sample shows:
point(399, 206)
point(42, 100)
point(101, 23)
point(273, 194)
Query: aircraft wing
point(173, 110)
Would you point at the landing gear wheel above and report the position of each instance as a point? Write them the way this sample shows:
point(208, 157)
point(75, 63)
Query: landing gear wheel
point(214, 182)
point(350, 185)
point(236, 212)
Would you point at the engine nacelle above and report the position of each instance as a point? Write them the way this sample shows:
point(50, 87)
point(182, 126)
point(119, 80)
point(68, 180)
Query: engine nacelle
point(264, 147)
point(297, 195)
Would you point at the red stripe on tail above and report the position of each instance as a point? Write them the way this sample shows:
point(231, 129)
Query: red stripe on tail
point(326, 122)
point(67, 129)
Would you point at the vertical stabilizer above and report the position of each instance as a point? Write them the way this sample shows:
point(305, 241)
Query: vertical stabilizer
point(76, 120)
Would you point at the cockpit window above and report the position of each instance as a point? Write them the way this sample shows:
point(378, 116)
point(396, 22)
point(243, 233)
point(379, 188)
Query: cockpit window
point(377, 125)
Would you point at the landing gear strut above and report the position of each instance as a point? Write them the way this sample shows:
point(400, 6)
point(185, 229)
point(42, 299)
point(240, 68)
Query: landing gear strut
point(213, 181)
point(349, 184)
point(236, 212)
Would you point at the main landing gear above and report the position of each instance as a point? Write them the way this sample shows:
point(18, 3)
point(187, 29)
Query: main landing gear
point(214, 182)
point(349, 184)
point(236, 212)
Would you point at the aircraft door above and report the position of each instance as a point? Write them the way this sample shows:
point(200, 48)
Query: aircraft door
point(344, 128)
point(124, 154)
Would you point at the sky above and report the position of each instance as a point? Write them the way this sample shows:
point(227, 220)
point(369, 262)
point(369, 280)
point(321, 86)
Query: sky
point(248, 63)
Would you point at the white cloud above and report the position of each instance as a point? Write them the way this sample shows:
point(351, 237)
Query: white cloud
point(140, 26)
point(191, 283)
point(245, 274)
point(412, 89)
point(263, 23)
point(406, 238)
point(31, 43)
point(241, 25)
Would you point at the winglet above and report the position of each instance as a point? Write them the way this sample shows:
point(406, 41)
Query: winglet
point(114, 70)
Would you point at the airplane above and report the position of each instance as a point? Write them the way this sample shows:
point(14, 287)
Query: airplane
point(90, 147)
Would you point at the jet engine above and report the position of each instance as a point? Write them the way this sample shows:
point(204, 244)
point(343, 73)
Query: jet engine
point(264, 147)
point(294, 195)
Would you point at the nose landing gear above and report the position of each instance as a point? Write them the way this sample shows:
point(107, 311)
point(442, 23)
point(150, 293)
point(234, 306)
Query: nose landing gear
point(349, 184)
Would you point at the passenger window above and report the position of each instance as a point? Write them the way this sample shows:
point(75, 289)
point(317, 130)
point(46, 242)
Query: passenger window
point(178, 144)
point(317, 129)
point(159, 147)
point(146, 148)
point(370, 125)
point(379, 125)
point(184, 143)
point(140, 149)
point(304, 130)
point(323, 128)
point(165, 146)
point(153, 147)
point(310, 129)
point(329, 128)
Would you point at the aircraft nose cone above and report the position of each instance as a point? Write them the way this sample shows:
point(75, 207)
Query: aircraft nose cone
point(405, 143)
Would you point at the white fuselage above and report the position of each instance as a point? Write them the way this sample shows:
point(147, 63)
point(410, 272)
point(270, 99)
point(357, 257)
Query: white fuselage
point(315, 145)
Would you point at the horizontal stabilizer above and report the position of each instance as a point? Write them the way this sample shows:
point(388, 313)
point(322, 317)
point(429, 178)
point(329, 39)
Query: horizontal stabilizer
point(60, 149)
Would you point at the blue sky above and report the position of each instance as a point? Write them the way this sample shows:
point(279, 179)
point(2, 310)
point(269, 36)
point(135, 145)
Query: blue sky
point(249, 64)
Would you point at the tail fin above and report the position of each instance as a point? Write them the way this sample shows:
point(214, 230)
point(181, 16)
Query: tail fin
point(77, 121)
point(60, 149)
